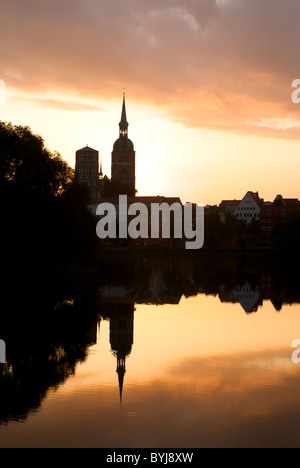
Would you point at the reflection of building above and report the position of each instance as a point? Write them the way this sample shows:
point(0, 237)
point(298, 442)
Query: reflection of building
point(153, 291)
point(265, 289)
point(121, 317)
point(121, 337)
point(248, 297)
point(156, 281)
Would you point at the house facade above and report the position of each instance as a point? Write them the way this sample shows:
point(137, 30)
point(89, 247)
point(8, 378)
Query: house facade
point(249, 208)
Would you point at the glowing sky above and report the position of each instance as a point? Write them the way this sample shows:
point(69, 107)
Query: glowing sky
point(208, 85)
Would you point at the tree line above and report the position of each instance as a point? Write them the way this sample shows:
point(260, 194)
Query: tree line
point(237, 233)
point(43, 209)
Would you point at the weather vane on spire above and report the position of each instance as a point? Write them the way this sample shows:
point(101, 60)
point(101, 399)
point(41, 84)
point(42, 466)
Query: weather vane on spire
point(123, 124)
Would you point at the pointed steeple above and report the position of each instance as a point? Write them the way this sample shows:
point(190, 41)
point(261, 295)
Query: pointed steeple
point(101, 170)
point(123, 124)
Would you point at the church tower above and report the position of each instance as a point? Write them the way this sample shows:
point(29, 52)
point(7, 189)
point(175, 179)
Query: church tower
point(123, 159)
point(87, 169)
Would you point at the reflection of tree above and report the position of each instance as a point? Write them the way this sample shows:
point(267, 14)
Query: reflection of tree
point(55, 326)
point(165, 279)
point(32, 371)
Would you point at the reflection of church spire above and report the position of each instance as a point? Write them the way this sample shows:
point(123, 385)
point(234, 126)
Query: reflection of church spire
point(121, 336)
point(121, 370)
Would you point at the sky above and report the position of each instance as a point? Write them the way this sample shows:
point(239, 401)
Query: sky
point(208, 88)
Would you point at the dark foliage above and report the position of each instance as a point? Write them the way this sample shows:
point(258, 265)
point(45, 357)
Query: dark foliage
point(43, 209)
point(220, 234)
point(288, 234)
point(114, 189)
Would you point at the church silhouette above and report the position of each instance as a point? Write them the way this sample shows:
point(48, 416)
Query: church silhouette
point(88, 171)
point(88, 168)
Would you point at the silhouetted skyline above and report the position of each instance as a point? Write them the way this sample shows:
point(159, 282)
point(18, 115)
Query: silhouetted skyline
point(224, 129)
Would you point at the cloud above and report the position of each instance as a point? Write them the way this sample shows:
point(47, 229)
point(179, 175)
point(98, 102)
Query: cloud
point(210, 64)
point(58, 104)
point(2, 91)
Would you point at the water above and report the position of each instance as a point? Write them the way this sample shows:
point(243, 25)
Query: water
point(154, 353)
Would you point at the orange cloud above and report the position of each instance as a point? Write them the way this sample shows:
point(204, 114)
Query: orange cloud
point(219, 65)
point(73, 106)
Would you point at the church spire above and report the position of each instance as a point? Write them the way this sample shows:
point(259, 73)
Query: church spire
point(101, 170)
point(123, 124)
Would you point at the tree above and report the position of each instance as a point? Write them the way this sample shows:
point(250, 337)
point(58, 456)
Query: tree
point(288, 234)
point(42, 207)
point(254, 227)
point(29, 168)
point(213, 230)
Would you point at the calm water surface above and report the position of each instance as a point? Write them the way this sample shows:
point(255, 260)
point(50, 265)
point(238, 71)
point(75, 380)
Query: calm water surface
point(168, 354)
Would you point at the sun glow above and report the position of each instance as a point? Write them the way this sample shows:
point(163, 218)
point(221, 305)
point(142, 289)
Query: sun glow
point(201, 166)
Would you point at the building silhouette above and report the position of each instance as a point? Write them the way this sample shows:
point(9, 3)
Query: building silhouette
point(121, 338)
point(121, 318)
point(252, 208)
point(123, 158)
point(88, 167)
